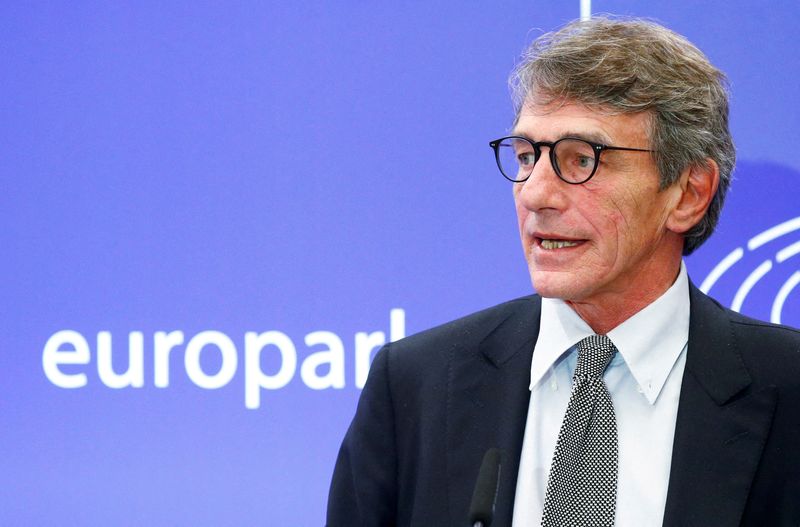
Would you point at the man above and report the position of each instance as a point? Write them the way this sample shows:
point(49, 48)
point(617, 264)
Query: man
point(620, 394)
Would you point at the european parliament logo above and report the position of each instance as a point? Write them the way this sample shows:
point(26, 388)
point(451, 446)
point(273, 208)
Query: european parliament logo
point(68, 354)
point(762, 276)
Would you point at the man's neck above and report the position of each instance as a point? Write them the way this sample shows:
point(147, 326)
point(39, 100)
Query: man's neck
point(606, 313)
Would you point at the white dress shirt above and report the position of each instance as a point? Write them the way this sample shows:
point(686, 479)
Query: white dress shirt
point(644, 380)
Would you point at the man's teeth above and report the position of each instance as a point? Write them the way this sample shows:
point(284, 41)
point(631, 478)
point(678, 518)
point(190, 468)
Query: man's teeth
point(557, 244)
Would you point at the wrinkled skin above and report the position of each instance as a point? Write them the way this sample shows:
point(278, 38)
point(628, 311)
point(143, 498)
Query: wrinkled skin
point(627, 233)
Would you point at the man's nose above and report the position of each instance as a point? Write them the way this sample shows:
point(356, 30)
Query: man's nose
point(543, 189)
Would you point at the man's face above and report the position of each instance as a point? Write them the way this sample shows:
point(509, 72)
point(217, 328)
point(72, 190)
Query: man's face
point(615, 223)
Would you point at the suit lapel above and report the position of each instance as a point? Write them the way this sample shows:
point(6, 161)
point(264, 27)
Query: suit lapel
point(487, 406)
point(721, 428)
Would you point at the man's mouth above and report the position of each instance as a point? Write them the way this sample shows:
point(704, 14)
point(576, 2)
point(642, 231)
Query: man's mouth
point(557, 244)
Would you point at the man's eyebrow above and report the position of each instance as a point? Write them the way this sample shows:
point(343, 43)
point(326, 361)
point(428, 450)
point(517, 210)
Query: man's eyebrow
point(592, 137)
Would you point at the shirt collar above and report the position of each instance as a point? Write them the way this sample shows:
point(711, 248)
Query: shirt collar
point(650, 341)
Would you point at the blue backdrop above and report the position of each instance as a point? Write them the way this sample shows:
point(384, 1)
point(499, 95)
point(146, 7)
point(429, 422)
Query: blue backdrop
point(213, 212)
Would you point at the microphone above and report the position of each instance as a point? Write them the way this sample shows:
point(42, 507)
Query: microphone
point(481, 510)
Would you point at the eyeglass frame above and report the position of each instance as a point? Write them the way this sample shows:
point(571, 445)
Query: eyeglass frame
point(537, 150)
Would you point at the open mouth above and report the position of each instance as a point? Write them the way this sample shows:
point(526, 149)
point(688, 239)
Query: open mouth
point(550, 244)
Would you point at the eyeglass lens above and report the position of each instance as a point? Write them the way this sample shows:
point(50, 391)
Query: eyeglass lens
point(574, 159)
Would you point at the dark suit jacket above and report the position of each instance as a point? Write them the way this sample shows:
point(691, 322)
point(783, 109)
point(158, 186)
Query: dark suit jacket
point(436, 401)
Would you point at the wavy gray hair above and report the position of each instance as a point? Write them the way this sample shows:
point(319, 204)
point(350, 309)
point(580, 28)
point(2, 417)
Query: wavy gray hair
point(633, 65)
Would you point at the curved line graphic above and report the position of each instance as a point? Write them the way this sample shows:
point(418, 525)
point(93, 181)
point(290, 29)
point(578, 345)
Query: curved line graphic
point(780, 298)
point(748, 284)
point(720, 269)
point(788, 252)
point(773, 232)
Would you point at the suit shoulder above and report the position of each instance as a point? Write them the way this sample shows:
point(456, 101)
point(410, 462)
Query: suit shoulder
point(470, 329)
point(759, 331)
point(764, 333)
point(768, 347)
point(428, 353)
point(769, 352)
point(779, 331)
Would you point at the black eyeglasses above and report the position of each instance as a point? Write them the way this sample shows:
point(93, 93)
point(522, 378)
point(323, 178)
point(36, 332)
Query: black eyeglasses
point(574, 160)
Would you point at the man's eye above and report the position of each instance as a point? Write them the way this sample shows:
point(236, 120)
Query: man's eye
point(585, 161)
point(526, 159)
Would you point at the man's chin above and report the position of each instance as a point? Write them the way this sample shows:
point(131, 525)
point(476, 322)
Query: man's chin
point(550, 284)
point(550, 293)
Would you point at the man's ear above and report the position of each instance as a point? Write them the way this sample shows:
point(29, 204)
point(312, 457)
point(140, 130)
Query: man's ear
point(698, 184)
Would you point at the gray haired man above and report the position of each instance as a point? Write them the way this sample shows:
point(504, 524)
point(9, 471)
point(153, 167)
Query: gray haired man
point(620, 394)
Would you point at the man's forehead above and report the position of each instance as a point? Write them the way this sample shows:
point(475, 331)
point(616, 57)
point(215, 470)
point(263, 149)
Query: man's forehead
point(568, 118)
point(554, 121)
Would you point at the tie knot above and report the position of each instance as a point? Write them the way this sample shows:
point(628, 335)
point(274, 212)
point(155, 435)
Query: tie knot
point(594, 354)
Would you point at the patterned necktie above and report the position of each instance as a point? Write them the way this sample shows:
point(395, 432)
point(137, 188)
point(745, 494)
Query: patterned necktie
point(582, 487)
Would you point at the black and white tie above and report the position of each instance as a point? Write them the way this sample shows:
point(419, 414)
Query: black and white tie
point(582, 486)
